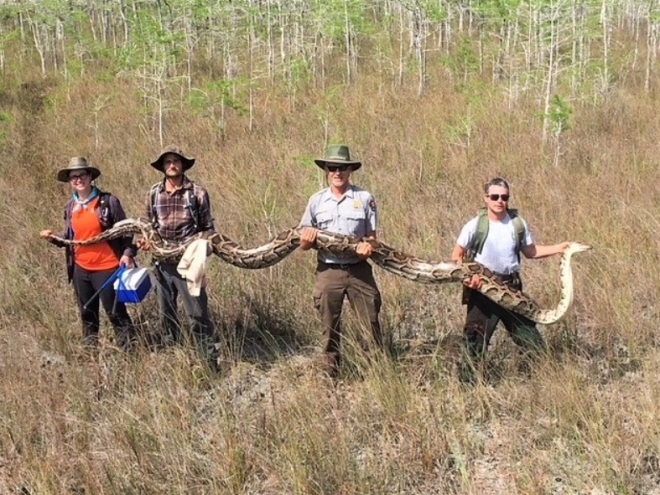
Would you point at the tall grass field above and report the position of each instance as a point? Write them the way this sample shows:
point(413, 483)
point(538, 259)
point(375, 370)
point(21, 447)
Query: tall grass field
point(561, 98)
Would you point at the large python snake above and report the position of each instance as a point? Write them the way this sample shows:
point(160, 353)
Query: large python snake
point(385, 256)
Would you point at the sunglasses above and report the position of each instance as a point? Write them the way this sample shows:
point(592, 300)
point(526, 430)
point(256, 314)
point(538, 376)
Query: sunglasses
point(74, 178)
point(335, 168)
point(496, 197)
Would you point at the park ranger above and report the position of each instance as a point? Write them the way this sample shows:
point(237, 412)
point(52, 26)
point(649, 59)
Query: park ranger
point(349, 210)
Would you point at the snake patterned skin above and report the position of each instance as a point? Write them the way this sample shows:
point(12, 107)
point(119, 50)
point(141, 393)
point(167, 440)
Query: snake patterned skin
point(385, 256)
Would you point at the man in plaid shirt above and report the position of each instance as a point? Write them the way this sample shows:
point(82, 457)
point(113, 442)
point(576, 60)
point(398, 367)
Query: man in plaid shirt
point(178, 209)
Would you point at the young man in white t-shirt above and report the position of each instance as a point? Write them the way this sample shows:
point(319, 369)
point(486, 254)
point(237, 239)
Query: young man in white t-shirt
point(501, 254)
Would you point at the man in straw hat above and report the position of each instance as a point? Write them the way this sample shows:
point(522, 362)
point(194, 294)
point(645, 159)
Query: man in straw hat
point(87, 213)
point(349, 210)
point(179, 208)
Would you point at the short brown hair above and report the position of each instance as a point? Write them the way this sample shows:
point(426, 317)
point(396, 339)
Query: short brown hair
point(497, 181)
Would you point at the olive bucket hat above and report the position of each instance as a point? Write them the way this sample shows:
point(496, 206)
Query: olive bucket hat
point(187, 161)
point(77, 163)
point(338, 154)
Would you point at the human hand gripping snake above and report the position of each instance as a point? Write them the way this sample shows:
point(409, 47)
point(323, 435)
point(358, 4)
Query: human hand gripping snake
point(385, 256)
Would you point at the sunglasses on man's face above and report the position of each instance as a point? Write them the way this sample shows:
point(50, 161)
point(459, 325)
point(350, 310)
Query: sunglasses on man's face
point(79, 177)
point(335, 168)
point(496, 197)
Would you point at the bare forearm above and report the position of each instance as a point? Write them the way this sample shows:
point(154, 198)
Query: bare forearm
point(458, 253)
point(543, 251)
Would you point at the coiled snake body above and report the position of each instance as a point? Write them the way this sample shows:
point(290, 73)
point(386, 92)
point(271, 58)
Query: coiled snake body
point(385, 256)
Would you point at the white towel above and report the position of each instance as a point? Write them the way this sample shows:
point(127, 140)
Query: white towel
point(192, 266)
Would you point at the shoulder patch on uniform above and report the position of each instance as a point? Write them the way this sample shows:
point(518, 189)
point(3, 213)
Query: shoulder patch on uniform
point(372, 204)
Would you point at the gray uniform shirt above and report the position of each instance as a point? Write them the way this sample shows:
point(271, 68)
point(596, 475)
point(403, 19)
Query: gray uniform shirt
point(354, 214)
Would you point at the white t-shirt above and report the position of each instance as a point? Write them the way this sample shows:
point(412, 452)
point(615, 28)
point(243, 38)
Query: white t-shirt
point(499, 251)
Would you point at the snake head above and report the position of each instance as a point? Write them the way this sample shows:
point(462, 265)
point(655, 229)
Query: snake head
point(577, 247)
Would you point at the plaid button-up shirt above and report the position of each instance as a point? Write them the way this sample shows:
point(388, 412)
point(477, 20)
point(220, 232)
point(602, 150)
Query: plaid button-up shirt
point(173, 214)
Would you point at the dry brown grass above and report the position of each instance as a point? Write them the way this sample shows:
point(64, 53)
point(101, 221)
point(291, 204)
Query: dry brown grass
point(585, 421)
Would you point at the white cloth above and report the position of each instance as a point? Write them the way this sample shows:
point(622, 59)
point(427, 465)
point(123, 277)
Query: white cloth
point(192, 266)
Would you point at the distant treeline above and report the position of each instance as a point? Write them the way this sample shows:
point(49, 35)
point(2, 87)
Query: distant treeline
point(216, 52)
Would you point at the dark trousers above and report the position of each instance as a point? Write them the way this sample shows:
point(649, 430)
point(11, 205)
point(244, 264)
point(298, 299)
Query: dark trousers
point(86, 283)
point(333, 283)
point(169, 284)
point(483, 315)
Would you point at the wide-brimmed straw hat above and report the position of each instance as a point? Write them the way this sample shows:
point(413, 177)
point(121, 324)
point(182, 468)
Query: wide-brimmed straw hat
point(338, 154)
point(187, 161)
point(77, 163)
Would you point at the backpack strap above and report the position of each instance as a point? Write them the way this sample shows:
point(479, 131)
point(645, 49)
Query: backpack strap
point(192, 205)
point(519, 229)
point(67, 213)
point(68, 250)
point(482, 232)
point(479, 236)
point(153, 198)
point(105, 215)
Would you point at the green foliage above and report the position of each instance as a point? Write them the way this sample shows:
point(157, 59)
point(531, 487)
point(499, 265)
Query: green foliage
point(8, 36)
point(218, 92)
point(8, 12)
point(497, 12)
point(299, 70)
point(150, 42)
point(434, 11)
point(654, 13)
point(329, 105)
point(152, 39)
point(105, 75)
point(334, 17)
point(559, 115)
point(464, 60)
point(128, 57)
